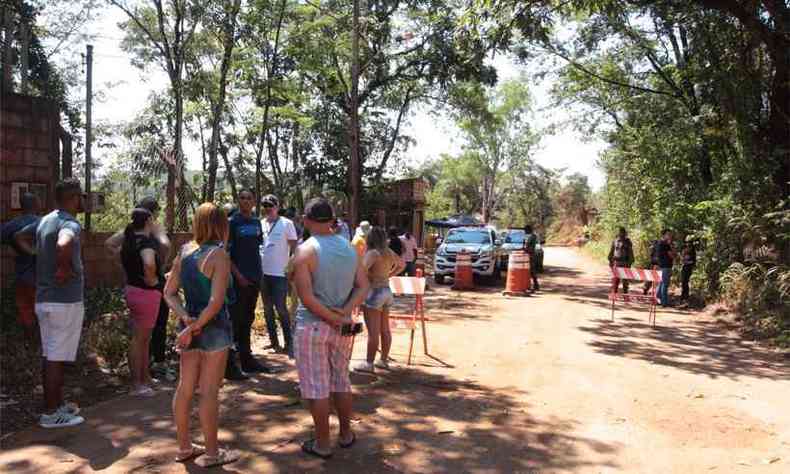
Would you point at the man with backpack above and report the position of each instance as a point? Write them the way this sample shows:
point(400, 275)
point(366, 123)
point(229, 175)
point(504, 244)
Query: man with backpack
point(666, 258)
point(621, 254)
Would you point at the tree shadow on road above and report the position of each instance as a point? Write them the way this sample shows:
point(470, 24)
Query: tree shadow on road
point(696, 346)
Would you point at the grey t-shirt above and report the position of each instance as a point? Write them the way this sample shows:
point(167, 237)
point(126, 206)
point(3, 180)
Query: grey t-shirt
point(47, 290)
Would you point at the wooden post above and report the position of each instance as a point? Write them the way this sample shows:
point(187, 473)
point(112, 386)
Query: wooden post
point(25, 33)
point(88, 134)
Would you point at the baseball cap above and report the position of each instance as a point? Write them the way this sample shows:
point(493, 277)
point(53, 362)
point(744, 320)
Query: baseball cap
point(365, 226)
point(270, 199)
point(319, 210)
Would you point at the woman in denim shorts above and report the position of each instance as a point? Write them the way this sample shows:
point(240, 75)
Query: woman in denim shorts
point(381, 263)
point(205, 334)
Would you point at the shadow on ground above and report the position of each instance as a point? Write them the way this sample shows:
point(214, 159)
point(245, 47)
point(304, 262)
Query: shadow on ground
point(697, 346)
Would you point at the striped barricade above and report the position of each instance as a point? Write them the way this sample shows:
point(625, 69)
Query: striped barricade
point(635, 274)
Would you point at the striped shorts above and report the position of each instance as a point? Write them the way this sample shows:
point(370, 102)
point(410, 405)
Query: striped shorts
point(321, 360)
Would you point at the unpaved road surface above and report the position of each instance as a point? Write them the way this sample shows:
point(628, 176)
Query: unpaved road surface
point(541, 384)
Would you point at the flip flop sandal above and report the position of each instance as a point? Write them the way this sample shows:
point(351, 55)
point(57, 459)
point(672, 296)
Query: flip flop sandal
point(350, 443)
point(223, 457)
point(184, 456)
point(309, 448)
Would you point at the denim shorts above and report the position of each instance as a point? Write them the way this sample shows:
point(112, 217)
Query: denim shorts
point(215, 336)
point(379, 298)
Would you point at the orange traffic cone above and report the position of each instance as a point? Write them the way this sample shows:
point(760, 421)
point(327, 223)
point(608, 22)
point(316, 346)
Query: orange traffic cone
point(518, 276)
point(464, 280)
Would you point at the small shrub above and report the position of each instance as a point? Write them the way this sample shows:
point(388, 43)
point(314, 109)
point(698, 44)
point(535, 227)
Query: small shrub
point(108, 337)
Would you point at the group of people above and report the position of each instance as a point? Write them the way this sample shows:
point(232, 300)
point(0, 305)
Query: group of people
point(663, 255)
point(220, 274)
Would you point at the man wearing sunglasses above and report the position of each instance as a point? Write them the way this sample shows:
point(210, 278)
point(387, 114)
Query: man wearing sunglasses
point(279, 241)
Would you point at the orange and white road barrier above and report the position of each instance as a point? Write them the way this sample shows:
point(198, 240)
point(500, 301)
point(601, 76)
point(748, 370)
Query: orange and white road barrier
point(464, 279)
point(414, 286)
point(519, 278)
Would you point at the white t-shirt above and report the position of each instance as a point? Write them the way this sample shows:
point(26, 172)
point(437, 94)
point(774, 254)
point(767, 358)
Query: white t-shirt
point(275, 250)
point(409, 247)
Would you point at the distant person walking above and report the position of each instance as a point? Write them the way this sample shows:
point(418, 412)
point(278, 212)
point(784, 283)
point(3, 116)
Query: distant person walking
point(409, 245)
point(342, 227)
point(689, 255)
point(666, 258)
point(359, 242)
point(141, 265)
point(279, 241)
point(25, 265)
point(205, 332)
point(530, 243)
point(60, 284)
point(381, 263)
point(621, 254)
point(331, 282)
point(161, 242)
point(244, 241)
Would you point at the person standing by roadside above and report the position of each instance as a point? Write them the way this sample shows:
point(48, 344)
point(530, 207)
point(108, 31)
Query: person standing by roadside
point(60, 284)
point(621, 254)
point(381, 263)
point(409, 245)
point(158, 345)
point(342, 228)
point(395, 243)
point(244, 242)
point(203, 268)
point(360, 238)
point(141, 265)
point(279, 241)
point(666, 258)
point(689, 262)
point(530, 242)
point(25, 265)
point(331, 282)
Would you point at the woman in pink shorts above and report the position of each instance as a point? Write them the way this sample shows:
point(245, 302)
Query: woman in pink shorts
point(143, 294)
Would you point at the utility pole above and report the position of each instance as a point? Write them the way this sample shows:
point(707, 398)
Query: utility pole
point(88, 135)
point(356, 165)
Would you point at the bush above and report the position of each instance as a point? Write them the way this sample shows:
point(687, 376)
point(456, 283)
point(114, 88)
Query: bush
point(760, 294)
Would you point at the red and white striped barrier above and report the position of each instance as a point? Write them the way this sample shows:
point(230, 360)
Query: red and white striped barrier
point(639, 274)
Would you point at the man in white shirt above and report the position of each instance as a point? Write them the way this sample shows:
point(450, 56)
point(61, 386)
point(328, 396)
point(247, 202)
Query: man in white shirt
point(279, 241)
point(409, 256)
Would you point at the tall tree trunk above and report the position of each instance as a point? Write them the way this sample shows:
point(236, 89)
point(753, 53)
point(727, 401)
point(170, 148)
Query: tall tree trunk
point(218, 106)
point(229, 172)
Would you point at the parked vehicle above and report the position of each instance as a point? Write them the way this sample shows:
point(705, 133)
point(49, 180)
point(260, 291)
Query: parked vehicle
point(482, 245)
point(512, 240)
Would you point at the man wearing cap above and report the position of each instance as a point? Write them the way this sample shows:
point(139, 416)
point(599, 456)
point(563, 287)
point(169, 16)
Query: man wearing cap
point(360, 238)
point(331, 282)
point(279, 240)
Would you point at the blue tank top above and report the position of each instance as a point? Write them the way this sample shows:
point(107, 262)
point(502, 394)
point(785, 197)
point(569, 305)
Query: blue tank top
point(333, 279)
point(197, 286)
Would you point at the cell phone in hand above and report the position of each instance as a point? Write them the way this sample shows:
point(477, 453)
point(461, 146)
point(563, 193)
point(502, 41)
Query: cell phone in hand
point(351, 329)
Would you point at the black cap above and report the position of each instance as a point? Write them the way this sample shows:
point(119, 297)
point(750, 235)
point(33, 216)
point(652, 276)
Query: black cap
point(139, 217)
point(150, 203)
point(270, 199)
point(319, 210)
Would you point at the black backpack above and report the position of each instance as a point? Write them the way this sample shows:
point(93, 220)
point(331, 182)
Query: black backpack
point(654, 252)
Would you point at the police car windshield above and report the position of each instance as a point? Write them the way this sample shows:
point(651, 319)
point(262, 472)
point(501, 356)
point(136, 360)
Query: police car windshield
point(468, 237)
point(515, 237)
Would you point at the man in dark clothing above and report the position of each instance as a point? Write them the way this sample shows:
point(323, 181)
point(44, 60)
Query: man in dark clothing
point(621, 254)
point(530, 242)
point(244, 242)
point(666, 258)
point(689, 261)
point(25, 265)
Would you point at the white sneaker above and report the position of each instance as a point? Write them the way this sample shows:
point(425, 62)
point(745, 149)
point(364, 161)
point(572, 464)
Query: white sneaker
point(364, 366)
point(383, 364)
point(143, 391)
point(59, 419)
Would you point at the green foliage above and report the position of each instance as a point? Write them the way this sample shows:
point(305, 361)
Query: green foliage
point(107, 332)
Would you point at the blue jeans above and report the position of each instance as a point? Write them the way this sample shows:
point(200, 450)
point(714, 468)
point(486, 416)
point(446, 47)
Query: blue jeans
point(274, 290)
point(663, 287)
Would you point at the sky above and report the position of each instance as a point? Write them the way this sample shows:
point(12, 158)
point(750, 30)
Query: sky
point(433, 135)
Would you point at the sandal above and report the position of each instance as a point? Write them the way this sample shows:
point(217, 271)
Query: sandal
point(309, 448)
point(350, 443)
point(195, 451)
point(223, 457)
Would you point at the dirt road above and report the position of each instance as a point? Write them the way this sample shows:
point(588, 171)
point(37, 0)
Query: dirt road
point(543, 384)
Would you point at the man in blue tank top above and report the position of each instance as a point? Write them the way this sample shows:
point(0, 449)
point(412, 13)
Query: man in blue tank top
point(331, 282)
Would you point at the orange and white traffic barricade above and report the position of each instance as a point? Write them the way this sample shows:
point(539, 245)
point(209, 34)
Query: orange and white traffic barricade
point(519, 279)
point(636, 274)
point(412, 286)
point(464, 278)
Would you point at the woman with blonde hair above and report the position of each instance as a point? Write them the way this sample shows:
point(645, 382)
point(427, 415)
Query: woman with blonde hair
point(381, 263)
point(202, 268)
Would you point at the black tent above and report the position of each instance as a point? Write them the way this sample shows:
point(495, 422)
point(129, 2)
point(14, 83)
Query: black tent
point(458, 220)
